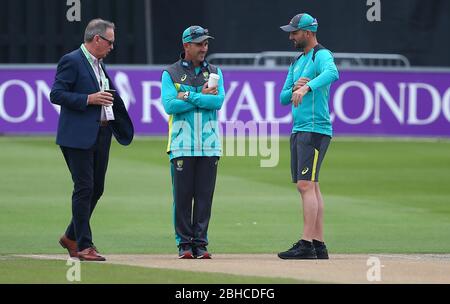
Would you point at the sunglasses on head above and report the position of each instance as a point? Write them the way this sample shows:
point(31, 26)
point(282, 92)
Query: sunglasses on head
point(198, 32)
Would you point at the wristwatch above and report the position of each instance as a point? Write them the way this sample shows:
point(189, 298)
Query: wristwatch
point(186, 95)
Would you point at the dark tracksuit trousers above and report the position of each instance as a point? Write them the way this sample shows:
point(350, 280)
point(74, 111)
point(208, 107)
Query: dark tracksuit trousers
point(193, 182)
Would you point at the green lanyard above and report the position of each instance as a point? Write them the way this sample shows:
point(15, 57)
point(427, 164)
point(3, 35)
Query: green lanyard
point(104, 81)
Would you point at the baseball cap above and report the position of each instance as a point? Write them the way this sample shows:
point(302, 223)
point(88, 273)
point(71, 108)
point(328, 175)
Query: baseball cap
point(302, 21)
point(195, 34)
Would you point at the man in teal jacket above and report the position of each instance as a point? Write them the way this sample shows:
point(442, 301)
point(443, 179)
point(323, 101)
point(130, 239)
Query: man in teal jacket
point(194, 145)
point(307, 89)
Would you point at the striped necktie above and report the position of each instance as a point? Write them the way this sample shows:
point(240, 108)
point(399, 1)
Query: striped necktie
point(97, 65)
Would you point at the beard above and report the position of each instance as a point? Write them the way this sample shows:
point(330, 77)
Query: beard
point(300, 45)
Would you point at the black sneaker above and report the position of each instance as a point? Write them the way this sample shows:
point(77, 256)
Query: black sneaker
point(185, 252)
point(299, 251)
point(202, 253)
point(321, 250)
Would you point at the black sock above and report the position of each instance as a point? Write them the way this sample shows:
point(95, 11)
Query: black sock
point(317, 243)
point(306, 243)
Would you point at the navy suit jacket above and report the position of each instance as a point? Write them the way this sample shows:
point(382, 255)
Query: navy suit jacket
point(79, 123)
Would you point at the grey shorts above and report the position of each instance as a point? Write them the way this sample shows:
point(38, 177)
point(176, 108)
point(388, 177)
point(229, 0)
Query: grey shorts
point(307, 152)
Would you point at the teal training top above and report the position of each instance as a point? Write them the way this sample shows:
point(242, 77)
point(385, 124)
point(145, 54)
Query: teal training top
point(193, 124)
point(313, 114)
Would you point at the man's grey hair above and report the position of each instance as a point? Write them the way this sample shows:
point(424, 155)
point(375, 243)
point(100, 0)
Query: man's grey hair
point(97, 27)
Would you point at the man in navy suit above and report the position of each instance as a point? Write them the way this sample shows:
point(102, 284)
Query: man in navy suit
point(89, 117)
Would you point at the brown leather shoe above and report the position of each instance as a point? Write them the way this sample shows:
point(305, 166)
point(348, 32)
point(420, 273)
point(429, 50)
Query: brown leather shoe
point(89, 254)
point(70, 245)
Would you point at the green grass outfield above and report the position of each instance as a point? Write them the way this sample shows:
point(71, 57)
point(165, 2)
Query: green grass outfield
point(28, 271)
point(381, 196)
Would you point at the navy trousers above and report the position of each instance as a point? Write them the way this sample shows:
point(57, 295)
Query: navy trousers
point(193, 181)
point(88, 170)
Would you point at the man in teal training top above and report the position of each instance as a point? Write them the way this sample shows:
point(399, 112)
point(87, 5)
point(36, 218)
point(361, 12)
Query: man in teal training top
point(194, 145)
point(307, 89)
